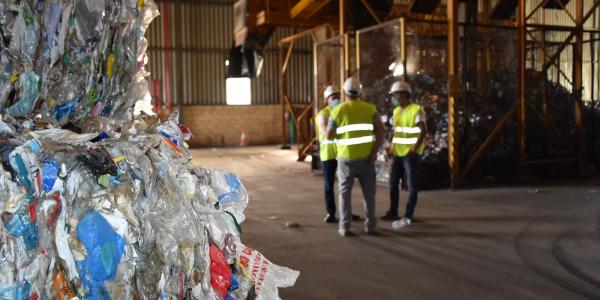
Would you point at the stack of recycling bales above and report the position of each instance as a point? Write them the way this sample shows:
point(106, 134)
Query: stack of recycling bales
point(95, 203)
point(549, 133)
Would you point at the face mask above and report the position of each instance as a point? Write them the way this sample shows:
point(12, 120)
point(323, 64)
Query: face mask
point(395, 101)
point(335, 102)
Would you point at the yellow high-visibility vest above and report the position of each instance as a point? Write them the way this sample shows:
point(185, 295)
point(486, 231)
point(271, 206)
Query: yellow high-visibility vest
point(355, 132)
point(327, 148)
point(406, 131)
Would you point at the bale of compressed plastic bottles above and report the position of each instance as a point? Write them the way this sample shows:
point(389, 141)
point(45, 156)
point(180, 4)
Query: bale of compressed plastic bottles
point(96, 203)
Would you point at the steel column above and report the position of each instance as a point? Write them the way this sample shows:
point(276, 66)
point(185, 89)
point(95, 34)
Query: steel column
point(282, 95)
point(403, 46)
point(578, 81)
point(316, 96)
point(302, 120)
point(454, 94)
point(522, 97)
point(342, 30)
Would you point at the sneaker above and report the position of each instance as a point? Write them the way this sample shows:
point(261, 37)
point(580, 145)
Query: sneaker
point(343, 232)
point(389, 216)
point(330, 219)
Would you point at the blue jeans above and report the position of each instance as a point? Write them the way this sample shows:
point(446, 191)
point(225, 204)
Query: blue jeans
point(329, 168)
point(406, 167)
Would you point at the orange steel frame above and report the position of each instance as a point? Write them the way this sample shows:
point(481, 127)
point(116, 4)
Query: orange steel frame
point(457, 170)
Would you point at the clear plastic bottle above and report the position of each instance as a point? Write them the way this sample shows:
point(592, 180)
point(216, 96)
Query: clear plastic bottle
point(398, 224)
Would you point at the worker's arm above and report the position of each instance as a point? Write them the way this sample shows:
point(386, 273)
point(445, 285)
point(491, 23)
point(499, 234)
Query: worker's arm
point(420, 138)
point(379, 137)
point(322, 123)
point(331, 126)
point(389, 150)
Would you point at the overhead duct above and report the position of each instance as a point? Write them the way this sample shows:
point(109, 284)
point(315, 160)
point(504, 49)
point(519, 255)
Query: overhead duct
point(423, 6)
point(246, 55)
point(554, 4)
point(504, 9)
point(244, 61)
point(359, 15)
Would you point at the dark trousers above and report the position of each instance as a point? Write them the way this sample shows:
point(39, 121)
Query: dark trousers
point(329, 168)
point(406, 167)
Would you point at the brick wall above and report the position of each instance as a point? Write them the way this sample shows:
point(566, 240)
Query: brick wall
point(222, 125)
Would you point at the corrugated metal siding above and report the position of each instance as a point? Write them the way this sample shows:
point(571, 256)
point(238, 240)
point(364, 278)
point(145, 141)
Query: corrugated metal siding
point(265, 89)
point(561, 18)
point(207, 34)
point(206, 38)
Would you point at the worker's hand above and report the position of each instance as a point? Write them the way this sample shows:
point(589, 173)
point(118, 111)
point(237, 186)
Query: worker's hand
point(373, 157)
point(413, 150)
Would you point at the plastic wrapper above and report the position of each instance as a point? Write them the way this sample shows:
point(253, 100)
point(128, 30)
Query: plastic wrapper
point(220, 273)
point(25, 31)
point(266, 276)
point(5, 90)
point(104, 251)
point(29, 87)
point(230, 192)
point(61, 136)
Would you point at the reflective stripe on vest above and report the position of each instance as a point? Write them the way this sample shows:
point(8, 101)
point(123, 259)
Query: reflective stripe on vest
point(327, 142)
point(356, 141)
point(408, 130)
point(404, 141)
point(354, 127)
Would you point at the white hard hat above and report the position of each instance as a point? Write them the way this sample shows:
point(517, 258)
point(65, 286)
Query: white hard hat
point(400, 86)
point(352, 86)
point(330, 90)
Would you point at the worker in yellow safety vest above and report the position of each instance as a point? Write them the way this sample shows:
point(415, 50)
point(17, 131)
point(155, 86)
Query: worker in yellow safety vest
point(358, 132)
point(327, 151)
point(406, 147)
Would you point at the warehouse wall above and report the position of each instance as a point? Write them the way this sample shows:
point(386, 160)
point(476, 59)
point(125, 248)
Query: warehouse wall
point(591, 58)
point(222, 125)
point(188, 46)
point(191, 41)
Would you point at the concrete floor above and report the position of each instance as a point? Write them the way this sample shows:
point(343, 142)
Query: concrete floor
point(523, 242)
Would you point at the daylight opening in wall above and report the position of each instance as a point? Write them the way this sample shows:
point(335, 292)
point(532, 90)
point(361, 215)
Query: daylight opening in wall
point(238, 91)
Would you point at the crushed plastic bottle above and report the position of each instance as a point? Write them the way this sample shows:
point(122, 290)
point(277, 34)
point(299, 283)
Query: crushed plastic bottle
point(399, 224)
